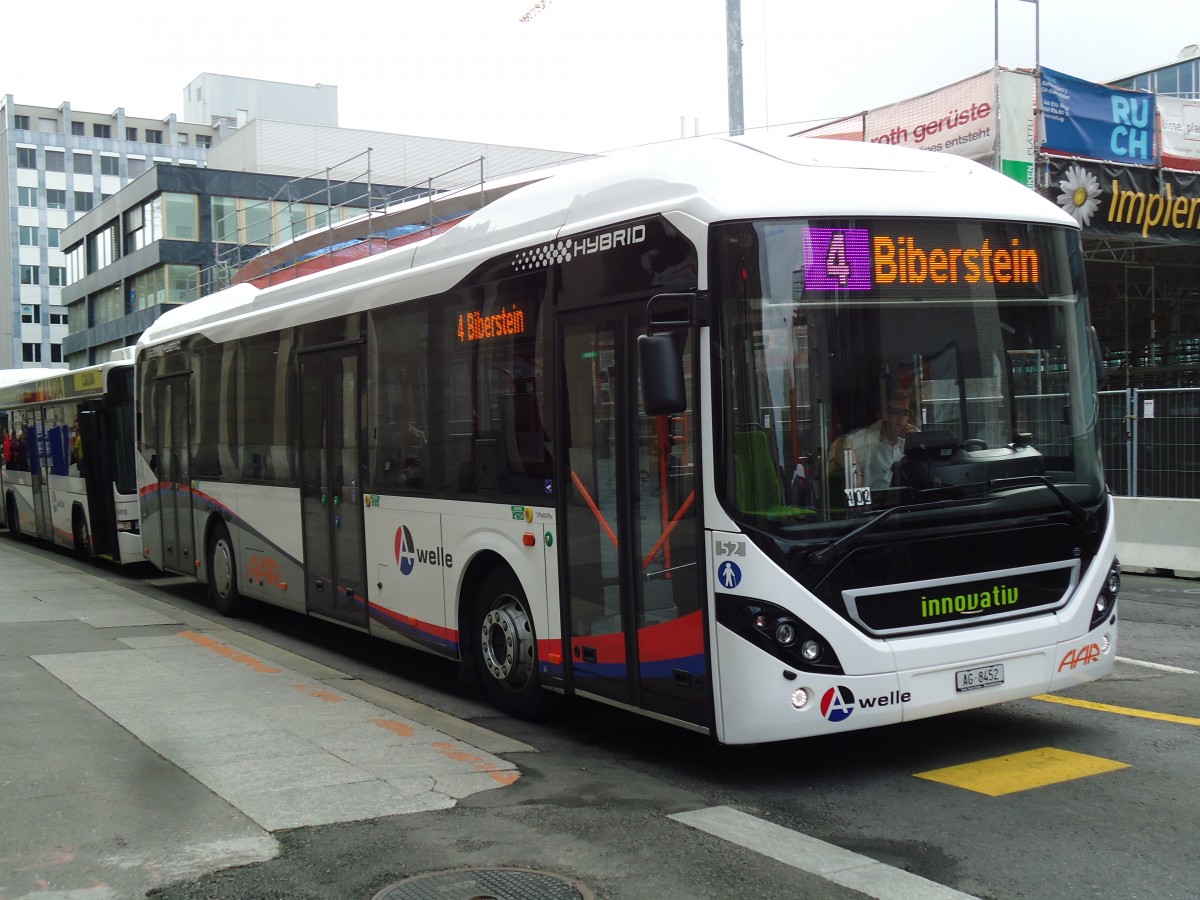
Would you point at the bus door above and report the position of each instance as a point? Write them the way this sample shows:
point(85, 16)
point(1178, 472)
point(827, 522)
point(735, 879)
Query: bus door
point(175, 474)
point(631, 533)
point(39, 471)
point(95, 465)
point(331, 470)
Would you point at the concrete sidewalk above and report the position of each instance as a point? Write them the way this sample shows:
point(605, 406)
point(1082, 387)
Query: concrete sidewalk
point(144, 745)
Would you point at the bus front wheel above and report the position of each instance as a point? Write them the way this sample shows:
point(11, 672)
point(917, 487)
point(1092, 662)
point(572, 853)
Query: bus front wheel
point(10, 516)
point(80, 535)
point(507, 647)
point(222, 573)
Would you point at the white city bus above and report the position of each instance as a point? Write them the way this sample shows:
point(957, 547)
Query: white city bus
point(67, 471)
point(590, 441)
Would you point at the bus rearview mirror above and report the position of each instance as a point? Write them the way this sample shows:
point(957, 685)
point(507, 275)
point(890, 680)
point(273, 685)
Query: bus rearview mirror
point(663, 388)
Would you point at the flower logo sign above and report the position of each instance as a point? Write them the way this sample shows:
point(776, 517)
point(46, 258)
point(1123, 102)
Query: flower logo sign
point(1080, 194)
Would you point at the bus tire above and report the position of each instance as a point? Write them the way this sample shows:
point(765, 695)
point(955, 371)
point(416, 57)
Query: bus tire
point(507, 646)
point(80, 536)
point(222, 573)
point(10, 516)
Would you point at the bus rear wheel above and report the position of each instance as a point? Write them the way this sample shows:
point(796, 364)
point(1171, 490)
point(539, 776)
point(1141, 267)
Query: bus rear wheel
point(222, 574)
point(507, 647)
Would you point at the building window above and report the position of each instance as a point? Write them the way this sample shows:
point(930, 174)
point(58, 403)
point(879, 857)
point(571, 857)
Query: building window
point(182, 139)
point(58, 276)
point(137, 165)
point(183, 283)
point(21, 123)
point(149, 289)
point(76, 263)
point(83, 201)
point(102, 251)
point(153, 136)
point(258, 223)
point(180, 211)
point(29, 275)
point(56, 161)
point(27, 196)
point(56, 353)
point(56, 199)
point(28, 235)
point(107, 306)
point(52, 236)
point(224, 220)
point(31, 314)
point(204, 140)
point(77, 128)
point(26, 158)
point(82, 163)
point(101, 131)
point(58, 318)
point(110, 165)
point(31, 352)
point(48, 126)
point(131, 134)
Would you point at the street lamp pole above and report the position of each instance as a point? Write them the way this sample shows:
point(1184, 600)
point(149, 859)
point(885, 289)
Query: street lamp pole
point(733, 43)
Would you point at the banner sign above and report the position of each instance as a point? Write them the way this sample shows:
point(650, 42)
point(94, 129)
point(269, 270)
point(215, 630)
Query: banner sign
point(1180, 133)
point(1016, 126)
point(958, 119)
point(1085, 119)
point(849, 128)
point(1125, 202)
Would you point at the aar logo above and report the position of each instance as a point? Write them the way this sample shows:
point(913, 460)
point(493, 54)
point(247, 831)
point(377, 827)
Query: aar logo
point(837, 704)
point(1083, 656)
point(406, 556)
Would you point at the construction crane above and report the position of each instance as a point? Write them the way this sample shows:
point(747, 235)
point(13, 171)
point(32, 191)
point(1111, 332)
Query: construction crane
point(535, 9)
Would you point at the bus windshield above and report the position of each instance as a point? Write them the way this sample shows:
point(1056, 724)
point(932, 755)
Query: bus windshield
point(869, 365)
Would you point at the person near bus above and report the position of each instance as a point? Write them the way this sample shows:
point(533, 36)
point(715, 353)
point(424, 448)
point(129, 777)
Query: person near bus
point(870, 452)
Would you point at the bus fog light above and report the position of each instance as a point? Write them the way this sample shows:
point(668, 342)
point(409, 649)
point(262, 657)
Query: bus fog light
point(1105, 643)
point(810, 650)
point(785, 633)
point(800, 698)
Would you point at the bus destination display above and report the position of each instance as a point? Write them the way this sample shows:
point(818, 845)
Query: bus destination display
point(912, 257)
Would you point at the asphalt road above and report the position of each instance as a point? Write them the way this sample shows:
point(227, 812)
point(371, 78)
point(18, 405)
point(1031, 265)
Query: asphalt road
point(593, 801)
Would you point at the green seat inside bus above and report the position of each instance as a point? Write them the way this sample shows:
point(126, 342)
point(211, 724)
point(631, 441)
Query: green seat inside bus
point(757, 486)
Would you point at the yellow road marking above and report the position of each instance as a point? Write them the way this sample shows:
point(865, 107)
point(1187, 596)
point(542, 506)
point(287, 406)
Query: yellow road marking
point(1022, 771)
point(1120, 710)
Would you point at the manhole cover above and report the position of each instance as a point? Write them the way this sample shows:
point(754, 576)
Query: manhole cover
point(486, 884)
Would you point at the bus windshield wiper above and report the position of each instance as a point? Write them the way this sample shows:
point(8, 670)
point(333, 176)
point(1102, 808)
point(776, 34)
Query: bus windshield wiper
point(1084, 517)
point(837, 548)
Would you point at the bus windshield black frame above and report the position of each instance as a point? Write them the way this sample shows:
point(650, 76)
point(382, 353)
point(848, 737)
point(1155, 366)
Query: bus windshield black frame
point(939, 368)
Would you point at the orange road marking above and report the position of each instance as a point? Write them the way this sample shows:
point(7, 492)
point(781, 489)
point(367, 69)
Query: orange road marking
point(391, 725)
point(228, 652)
point(327, 696)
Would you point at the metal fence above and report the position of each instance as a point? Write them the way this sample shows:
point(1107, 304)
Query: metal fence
point(1151, 442)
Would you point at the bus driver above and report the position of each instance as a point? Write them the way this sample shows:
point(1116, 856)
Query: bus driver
point(871, 451)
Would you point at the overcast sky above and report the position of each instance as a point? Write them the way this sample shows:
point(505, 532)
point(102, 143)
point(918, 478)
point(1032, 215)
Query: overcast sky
point(585, 75)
